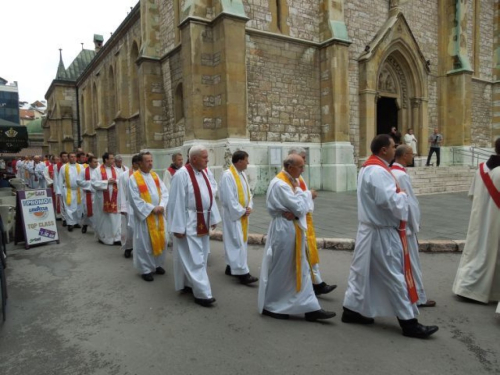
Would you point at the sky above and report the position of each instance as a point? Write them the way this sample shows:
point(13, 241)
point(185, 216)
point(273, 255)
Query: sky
point(32, 31)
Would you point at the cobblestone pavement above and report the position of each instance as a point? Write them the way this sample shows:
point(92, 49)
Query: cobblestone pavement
point(444, 216)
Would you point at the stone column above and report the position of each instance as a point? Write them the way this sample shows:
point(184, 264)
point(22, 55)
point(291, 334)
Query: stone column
point(496, 74)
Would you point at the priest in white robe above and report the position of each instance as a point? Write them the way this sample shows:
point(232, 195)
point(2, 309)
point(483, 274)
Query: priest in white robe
point(148, 199)
point(63, 159)
point(192, 211)
point(85, 179)
point(404, 158)
point(37, 174)
point(177, 162)
point(286, 287)
point(380, 282)
point(237, 206)
point(478, 274)
point(71, 194)
point(126, 211)
point(119, 165)
point(107, 218)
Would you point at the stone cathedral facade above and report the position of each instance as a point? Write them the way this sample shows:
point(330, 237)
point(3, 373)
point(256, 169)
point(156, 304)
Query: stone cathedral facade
point(263, 75)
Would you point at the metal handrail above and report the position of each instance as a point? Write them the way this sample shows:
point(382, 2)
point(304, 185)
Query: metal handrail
point(476, 154)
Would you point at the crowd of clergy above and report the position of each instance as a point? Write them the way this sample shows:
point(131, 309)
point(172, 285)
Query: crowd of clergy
point(140, 211)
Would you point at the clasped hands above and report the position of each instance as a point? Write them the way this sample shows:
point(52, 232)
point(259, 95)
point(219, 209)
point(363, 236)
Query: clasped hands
point(182, 235)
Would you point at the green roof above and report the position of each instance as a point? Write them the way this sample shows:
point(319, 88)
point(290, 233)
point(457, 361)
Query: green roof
point(79, 64)
point(35, 126)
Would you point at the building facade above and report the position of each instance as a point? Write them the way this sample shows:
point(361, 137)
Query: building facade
point(262, 76)
point(9, 102)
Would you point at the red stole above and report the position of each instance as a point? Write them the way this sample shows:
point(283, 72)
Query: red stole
point(202, 228)
point(398, 168)
point(110, 205)
point(410, 283)
point(490, 186)
point(171, 170)
point(88, 194)
point(51, 170)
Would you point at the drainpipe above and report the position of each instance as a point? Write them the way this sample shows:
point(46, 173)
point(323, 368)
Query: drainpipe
point(78, 130)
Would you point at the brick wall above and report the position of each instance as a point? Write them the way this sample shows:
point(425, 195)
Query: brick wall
point(481, 114)
point(172, 76)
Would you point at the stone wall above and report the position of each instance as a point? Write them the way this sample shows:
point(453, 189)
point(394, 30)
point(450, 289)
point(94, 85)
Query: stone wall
point(283, 91)
point(172, 76)
point(486, 43)
point(481, 114)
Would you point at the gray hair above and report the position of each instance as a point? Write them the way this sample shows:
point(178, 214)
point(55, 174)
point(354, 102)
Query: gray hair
point(297, 150)
point(119, 157)
point(401, 150)
point(196, 150)
point(289, 161)
point(174, 156)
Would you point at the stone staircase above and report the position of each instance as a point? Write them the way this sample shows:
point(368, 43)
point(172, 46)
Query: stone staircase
point(433, 180)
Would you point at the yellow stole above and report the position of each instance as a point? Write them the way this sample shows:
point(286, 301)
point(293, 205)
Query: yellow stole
point(298, 238)
point(68, 185)
point(156, 229)
point(312, 246)
point(241, 199)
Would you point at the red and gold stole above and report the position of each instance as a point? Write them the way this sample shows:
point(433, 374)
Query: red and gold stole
point(312, 246)
point(88, 194)
point(110, 203)
point(202, 228)
point(410, 283)
point(490, 186)
point(156, 228)
point(298, 238)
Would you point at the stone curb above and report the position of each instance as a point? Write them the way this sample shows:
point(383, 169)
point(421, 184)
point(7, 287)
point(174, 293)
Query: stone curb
point(347, 244)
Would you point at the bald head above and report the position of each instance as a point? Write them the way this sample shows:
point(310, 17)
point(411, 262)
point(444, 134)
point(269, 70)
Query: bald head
point(404, 155)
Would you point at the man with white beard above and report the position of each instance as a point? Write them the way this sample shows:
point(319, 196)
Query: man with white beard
point(71, 193)
point(285, 280)
point(127, 214)
point(85, 179)
point(148, 198)
point(192, 211)
point(380, 281)
point(404, 158)
point(107, 218)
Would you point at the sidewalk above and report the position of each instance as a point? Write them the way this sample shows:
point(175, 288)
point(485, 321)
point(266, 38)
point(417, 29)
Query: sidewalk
point(444, 216)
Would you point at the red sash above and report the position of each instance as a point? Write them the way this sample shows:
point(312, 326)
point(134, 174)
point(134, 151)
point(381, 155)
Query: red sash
point(202, 228)
point(398, 168)
point(171, 170)
point(490, 186)
point(51, 170)
point(110, 205)
point(58, 201)
point(410, 283)
point(88, 194)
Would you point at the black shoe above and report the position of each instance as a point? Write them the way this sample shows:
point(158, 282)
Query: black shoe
point(84, 229)
point(127, 253)
point(70, 228)
point(77, 226)
point(349, 316)
point(319, 315)
point(228, 270)
point(64, 223)
point(160, 271)
point(247, 279)
point(117, 243)
point(102, 243)
point(205, 302)
point(323, 288)
point(187, 289)
point(419, 331)
point(147, 277)
point(275, 315)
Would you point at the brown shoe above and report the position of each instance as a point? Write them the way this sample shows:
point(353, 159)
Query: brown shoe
point(248, 279)
point(428, 303)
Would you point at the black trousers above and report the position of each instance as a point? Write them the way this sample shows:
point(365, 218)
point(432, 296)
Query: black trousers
point(436, 150)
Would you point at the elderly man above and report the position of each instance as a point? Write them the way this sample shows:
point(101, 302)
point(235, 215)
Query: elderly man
point(380, 280)
point(126, 211)
point(174, 167)
point(478, 274)
point(37, 173)
point(286, 286)
point(85, 179)
point(107, 218)
point(71, 194)
point(320, 287)
point(148, 198)
point(404, 157)
point(192, 211)
point(119, 165)
point(237, 206)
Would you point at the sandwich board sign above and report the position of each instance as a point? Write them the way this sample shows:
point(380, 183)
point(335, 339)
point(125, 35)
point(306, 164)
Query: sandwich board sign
point(35, 218)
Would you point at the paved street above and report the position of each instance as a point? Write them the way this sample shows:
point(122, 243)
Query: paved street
point(444, 216)
point(80, 308)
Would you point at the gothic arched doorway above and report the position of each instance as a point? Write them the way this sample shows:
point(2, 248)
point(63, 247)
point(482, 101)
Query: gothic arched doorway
point(387, 115)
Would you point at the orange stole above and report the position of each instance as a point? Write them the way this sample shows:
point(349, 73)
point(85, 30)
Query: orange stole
point(156, 229)
point(312, 245)
point(110, 204)
point(410, 283)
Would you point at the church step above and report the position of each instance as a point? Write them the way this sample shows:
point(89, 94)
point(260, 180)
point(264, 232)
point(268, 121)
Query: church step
point(433, 180)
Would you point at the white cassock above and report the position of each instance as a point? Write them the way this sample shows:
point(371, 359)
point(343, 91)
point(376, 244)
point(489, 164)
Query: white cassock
point(86, 185)
point(191, 252)
point(121, 170)
point(144, 260)
point(126, 211)
point(376, 285)
point(74, 210)
point(167, 178)
point(235, 247)
point(58, 192)
point(278, 286)
point(37, 175)
point(412, 228)
point(498, 308)
point(19, 168)
point(107, 225)
point(478, 275)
